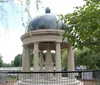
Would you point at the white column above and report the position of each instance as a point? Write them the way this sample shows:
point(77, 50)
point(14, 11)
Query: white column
point(71, 66)
point(36, 56)
point(58, 57)
point(41, 60)
point(25, 59)
point(58, 60)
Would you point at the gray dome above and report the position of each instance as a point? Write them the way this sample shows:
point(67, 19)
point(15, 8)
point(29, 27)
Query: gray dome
point(45, 21)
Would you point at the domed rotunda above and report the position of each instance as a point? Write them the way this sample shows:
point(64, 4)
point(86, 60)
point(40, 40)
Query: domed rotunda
point(44, 33)
point(43, 37)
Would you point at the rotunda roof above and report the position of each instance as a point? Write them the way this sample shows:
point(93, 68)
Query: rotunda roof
point(45, 21)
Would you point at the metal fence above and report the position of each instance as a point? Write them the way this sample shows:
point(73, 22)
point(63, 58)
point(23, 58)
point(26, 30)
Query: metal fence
point(91, 77)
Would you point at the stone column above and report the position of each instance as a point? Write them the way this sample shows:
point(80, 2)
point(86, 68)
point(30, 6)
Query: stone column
point(71, 66)
point(26, 59)
point(35, 56)
point(58, 60)
point(25, 62)
point(58, 57)
point(41, 60)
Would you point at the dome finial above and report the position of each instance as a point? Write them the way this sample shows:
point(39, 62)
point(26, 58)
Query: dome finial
point(47, 10)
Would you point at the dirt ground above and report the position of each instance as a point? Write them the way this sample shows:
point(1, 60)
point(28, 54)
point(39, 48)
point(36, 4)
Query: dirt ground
point(8, 83)
point(89, 82)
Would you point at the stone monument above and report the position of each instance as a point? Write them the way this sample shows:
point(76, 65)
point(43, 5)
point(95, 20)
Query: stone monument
point(44, 32)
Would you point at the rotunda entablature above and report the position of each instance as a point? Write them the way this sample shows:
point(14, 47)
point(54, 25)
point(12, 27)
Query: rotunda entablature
point(42, 36)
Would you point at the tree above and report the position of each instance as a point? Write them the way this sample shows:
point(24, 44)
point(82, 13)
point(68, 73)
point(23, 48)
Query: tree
point(31, 58)
point(1, 61)
point(83, 57)
point(18, 60)
point(24, 3)
point(12, 63)
point(87, 58)
point(83, 26)
point(64, 58)
point(3, 13)
point(6, 65)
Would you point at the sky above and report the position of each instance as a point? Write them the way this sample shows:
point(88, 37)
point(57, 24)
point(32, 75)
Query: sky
point(10, 43)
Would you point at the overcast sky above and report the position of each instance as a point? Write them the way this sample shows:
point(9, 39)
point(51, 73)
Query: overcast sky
point(10, 43)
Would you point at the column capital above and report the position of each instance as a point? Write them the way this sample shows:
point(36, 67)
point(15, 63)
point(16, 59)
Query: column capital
point(70, 46)
point(57, 42)
point(26, 46)
point(36, 43)
point(41, 51)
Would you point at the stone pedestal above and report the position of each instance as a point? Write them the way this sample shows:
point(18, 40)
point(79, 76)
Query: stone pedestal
point(49, 64)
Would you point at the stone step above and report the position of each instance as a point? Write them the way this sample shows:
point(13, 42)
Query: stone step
point(42, 82)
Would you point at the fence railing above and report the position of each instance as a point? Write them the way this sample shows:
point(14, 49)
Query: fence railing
point(91, 77)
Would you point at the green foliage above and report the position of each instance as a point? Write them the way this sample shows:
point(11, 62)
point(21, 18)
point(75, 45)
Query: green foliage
point(84, 57)
point(3, 13)
point(27, 10)
point(64, 59)
point(6, 65)
point(12, 63)
point(31, 58)
point(83, 30)
point(18, 60)
point(1, 61)
point(87, 58)
point(83, 26)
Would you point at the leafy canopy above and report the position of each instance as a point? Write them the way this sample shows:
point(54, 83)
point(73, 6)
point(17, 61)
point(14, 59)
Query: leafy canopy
point(83, 25)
